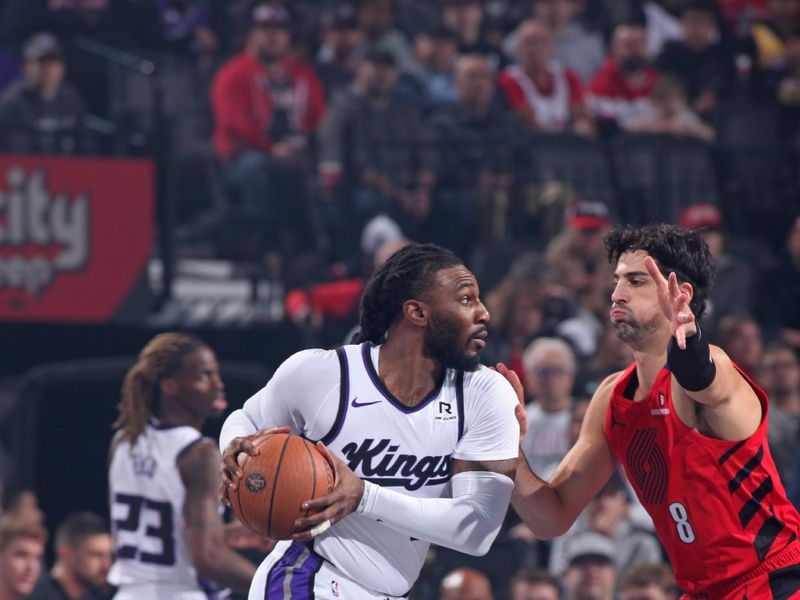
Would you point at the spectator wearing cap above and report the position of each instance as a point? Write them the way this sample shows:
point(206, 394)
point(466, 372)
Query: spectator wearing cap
point(376, 157)
point(619, 92)
point(476, 145)
point(648, 581)
point(590, 568)
point(267, 106)
point(732, 293)
point(336, 58)
point(547, 96)
point(700, 59)
point(607, 518)
point(41, 112)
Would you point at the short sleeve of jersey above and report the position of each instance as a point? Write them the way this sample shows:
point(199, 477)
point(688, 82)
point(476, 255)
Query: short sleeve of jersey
point(491, 431)
point(303, 394)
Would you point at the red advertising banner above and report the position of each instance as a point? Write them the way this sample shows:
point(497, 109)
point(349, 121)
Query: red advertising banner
point(75, 235)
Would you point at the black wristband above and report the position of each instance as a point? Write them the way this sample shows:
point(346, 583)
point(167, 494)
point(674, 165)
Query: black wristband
point(693, 368)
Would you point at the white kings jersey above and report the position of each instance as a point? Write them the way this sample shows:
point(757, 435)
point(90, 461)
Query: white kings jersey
point(146, 494)
point(337, 397)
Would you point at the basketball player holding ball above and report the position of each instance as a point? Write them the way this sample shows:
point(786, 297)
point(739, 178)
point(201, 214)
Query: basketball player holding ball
point(164, 478)
point(423, 439)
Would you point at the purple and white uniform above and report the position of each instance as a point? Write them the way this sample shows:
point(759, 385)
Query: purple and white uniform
point(336, 396)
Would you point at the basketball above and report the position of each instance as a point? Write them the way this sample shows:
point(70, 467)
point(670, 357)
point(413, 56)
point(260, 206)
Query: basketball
point(287, 471)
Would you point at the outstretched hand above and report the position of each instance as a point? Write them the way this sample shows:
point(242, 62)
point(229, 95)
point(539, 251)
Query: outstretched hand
point(332, 507)
point(674, 302)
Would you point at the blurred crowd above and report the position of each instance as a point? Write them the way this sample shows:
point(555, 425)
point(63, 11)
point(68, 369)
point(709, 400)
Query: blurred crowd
point(332, 132)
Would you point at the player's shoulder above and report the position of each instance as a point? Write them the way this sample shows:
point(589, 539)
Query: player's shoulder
point(605, 390)
point(312, 360)
point(484, 380)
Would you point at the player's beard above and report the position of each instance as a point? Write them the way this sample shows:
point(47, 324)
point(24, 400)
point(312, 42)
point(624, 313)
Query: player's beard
point(443, 342)
point(632, 331)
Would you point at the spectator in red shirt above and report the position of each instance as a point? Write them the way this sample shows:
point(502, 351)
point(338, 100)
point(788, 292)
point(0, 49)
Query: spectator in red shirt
point(547, 96)
point(266, 107)
point(620, 91)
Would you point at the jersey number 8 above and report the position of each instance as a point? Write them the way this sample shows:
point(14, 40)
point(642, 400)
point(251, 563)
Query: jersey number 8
point(678, 513)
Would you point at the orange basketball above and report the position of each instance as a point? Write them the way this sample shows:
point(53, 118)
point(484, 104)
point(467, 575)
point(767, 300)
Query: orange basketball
point(287, 471)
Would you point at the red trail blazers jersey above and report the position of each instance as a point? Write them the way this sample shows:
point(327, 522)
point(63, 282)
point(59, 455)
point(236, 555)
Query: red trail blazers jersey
point(719, 508)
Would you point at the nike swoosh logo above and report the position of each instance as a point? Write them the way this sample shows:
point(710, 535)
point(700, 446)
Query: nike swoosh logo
point(356, 404)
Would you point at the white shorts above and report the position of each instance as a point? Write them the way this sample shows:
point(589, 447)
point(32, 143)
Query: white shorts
point(293, 571)
point(160, 591)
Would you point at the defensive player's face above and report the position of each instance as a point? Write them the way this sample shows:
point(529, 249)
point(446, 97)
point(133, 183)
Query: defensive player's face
point(635, 312)
point(199, 385)
point(20, 564)
point(92, 560)
point(457, 325)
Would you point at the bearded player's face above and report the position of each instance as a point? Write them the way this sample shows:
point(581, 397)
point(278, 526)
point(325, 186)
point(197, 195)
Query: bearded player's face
point(635, 312)
point(457, 324)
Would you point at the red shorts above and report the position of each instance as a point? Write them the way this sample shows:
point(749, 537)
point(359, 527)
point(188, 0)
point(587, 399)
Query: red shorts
point(776, 579)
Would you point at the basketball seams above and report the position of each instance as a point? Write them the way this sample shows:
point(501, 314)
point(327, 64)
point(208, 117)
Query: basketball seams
point(274, 484)
point(313, 472)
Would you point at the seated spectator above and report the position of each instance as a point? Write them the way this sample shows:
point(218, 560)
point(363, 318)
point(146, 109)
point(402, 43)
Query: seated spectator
point(779, 376)
point(336, 58)
point(734, 281)
point(670, 114)
point(620, 92)
point(467, 19)
point(649, 581)
point(476, 146)
point(83, 549)
point(376, 18)
point(22, 542)
point(533, 584)
point(266, 107)
point(701, 60)
point(431, 85)
point(779, 291)
point(768, 36)
point(608, 515)
point(550, 369)
point(574, 46)
point(376, 146)
point(591, 572)
point(465, 584)
point(740, 337)
point(547, 96)
point(42, 113)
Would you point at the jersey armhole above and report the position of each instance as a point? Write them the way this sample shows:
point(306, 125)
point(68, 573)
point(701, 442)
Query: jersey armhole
point(344, 393)
point(460, 403)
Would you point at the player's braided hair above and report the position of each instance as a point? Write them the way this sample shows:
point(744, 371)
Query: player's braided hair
point(409, 273)
point(160, 358)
